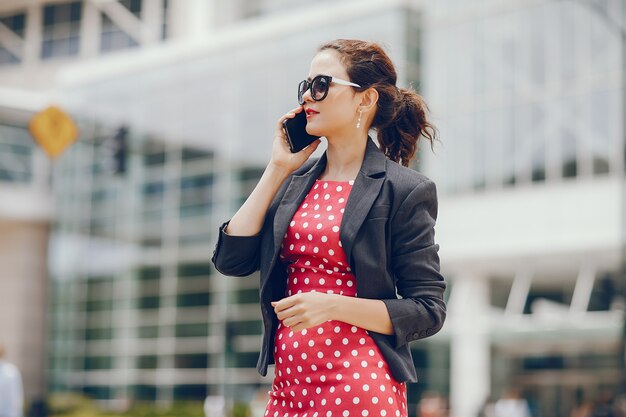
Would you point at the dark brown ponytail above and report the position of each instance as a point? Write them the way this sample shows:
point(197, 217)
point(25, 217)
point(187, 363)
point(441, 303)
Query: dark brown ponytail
point(401, 116)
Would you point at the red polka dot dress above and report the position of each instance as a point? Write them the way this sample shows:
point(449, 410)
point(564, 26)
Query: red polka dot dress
point(334, 369)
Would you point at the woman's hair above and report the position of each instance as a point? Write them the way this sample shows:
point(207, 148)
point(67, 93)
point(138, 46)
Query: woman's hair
point(400, 118)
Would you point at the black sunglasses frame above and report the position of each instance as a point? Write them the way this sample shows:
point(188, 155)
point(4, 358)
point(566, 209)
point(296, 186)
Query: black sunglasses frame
point(306, 85)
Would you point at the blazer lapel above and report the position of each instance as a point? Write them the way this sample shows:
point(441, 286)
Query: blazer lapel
point(295, 193)
point(365, 189)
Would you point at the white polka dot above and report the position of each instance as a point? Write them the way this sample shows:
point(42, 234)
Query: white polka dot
point(335, 229)
point(331, 252)
point(356, 375)
point(339, 188)
point(302, 248)
point(382, 388)
point(364, 413)
point(320, 330)
point(351, 182)
point(363, 363)
point(353, 329)
point(316, 207)
point(354, 352)
point(305, 205)
point(324, 239)
point(316, 185)
point(310, 237)
point(339, 377)
point(362, 340)
point(346, 364)
point(320, 354)
point(366, 387)
point(347, 388)
point(380, 364)
point(329, 208)
point(331, 217)
point(305, 225)
point(338, 282)
point(322, 281)
point(390, 400)
point(311, 343)
point(337, 354)
point(341, 211)
point(371, 352)
point(328, 342)
point(323, 378)
point(356, 400)
point(349, 283)
point(291, 247)
point(341, 200)
point(345, 341)
point(304, 356)
point(323, 401)
point(318, 390)
point(375, 400)
point(337, 400)
point(329, 365)
point(383, 413)
point(299, 370)
point(319, 226)
point(327, 196)
point(306, 281)
point(325, 185)
point(315, 197)
point(304, 214)
point(297, 235)
point(374, 376)
point(315, 249)
point(293, 223)
point(337, 329)
point(290, 357)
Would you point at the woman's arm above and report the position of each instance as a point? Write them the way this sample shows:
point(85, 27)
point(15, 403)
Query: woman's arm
point(305, 310)
point(249, 218)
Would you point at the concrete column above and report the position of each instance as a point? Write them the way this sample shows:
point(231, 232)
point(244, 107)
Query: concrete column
point(470, 349)
point(23, 295)
point(33, 35)
point(90, 30)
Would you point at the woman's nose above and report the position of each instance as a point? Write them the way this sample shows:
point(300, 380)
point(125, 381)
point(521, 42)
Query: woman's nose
point(307, 95)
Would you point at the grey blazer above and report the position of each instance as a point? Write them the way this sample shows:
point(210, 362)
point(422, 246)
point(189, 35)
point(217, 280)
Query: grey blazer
point(387, 232)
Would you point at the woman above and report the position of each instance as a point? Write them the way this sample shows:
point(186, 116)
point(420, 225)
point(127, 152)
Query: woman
point(337, 238)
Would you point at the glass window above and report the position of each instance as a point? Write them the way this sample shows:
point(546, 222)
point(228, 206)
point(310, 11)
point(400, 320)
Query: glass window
point(98, 362)
point(192, 330)
point(190, 392)
point(194, 270)
point(61, 31)
point(147, 362)
point(202, 299)
point(113, 37)
point(16, 24)
point(148, 332)
point(147, 303)
point(194, 361)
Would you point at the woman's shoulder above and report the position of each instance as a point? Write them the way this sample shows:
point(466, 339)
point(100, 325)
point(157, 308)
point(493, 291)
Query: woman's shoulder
point(404, 178)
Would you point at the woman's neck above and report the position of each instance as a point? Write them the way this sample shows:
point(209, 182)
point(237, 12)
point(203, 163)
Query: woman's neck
point(344, 158)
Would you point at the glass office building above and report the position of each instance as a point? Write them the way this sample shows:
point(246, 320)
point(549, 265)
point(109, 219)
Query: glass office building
point(528, 95)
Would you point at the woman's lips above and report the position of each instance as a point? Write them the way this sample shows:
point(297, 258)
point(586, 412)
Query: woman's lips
point(310, 113)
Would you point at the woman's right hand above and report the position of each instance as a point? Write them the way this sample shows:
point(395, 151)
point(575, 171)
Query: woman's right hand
point(282, 158)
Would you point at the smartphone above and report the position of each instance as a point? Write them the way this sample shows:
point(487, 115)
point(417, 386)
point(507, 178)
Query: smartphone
point(297, 136)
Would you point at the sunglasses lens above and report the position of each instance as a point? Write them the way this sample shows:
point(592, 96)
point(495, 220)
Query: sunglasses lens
point(319, 88)
point(302, 87)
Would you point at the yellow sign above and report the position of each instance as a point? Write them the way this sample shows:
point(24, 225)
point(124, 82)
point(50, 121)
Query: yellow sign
point(54, 130)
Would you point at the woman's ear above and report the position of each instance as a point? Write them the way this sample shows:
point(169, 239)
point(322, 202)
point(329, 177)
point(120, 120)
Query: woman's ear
point(369, 98)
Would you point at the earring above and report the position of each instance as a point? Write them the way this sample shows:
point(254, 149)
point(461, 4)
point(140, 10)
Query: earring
point(358, 122)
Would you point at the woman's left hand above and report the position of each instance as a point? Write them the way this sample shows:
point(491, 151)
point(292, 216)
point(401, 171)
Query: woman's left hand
point(305, 310)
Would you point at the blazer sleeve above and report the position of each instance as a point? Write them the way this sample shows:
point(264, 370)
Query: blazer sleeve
point(421, 311)
point(236, 256)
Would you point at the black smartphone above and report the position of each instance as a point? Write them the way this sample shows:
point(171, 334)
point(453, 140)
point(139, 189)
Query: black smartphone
point(297, 136)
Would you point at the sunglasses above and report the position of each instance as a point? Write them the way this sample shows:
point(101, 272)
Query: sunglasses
point(319, 87)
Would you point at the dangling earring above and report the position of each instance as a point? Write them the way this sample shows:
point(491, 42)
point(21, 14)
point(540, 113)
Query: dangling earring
point(358, 122)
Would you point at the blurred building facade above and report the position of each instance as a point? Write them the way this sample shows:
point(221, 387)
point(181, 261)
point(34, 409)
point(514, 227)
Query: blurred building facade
point(176, 103)
point(529, 98)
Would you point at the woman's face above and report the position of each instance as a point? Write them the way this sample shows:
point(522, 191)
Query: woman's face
point(337, 113)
